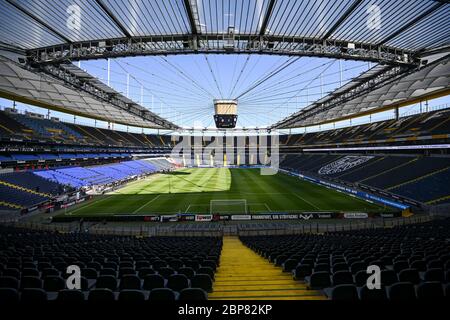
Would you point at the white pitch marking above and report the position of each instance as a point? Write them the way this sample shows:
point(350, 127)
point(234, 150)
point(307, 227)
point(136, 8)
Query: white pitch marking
point(312, 204)
point(137, 210)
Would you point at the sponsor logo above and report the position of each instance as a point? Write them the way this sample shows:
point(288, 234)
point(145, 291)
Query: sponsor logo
point(203, 217)
point(356, 215)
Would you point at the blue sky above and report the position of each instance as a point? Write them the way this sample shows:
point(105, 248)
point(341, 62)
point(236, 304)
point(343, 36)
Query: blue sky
point(182, 88)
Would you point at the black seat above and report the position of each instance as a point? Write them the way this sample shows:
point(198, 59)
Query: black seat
point(366, 294)
point(193, 294)
point(177, 282)
point(388, 277)
point(357, 266)
point(342, 277)
point(347, 292)
point(188, 272)
point(400, 265)
point(101, 295)
point(130, 282)
point(430, 290)
point(31, 282)
point(206, 270)
point(89, 273)
point(108, 272)
point(289, 265)
point(360, 278)
point(162, 294)
point(301, 271)
point(33, 295)
point(131, 296)
point(67, 295)
point(145, 271)
point(126, 271)
point(409, 275)
point(434, 274)
point(340, 267)
point(8, 296)
point(321, 267)
point(11, 272)
point(401, 291)
point(318, 280)
point(202, 281)
point(30, 272)
point(50, 272)
point(153, 281)
point(54, 283)
point(420, 265)
point(108, 282)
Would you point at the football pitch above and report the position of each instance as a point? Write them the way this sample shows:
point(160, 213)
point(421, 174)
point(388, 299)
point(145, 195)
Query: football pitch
point(191, 191)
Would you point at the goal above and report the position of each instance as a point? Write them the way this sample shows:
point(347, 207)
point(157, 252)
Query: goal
point(238, 206)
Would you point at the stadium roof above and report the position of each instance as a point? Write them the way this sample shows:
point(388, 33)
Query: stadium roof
point(384, 29)
point(389, 32)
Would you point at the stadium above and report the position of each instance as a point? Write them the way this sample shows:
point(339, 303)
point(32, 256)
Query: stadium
point(193, 150)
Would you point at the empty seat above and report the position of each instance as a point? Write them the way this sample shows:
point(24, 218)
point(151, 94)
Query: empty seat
point(340, 267)
point(131, 296)
point(347, 292)
point(409, 275)
point(101, 295)
point(188, 272)
point(401, 291)
point(420, 265)
point(30, 282)
point(206, 270)
point(130, 282)
point(177, 282)
point(34, 295)
point(321, 267)
point(357, 266)
point(400, 265)
point(153, 281)
point(360, 278)
point(67, 295)
point(166, 272)
point(193, 294)
point(108, 282)
point(289, 265)
point(30, 272)
point(11, 272)
point(318, 280)
point(89, 273)
point(50, 272)
point(430, 290)
point(108, 272)
point(54, 283)
point(388, 277)
point(366, 294)
point(342, 277)
point(126, 271)
point(202, 281)
point(435, 274)
point(8, 296)
point(145, 271)
point(301, 271)
point(162, 294)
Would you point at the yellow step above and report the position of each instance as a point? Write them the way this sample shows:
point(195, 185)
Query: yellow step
point(244, 275)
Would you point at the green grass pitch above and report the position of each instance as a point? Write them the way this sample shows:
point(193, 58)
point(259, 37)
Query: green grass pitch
point(190, 191)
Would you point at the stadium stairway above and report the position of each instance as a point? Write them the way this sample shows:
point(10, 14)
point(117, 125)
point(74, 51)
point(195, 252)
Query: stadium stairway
point(418, 178)
point(14, 186)
point(244, 275)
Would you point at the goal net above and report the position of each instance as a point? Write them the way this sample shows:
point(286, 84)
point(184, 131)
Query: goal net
point(238, 206)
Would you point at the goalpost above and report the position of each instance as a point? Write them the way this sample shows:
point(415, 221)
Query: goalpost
point(236, 206)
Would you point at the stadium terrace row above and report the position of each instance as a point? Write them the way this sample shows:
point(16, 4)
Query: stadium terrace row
point(33, 267)
point(414, 261)
point(430, 126)
point(26, 189)
point(403, 175)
